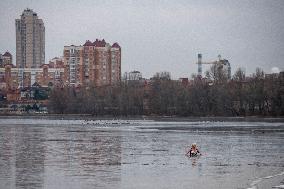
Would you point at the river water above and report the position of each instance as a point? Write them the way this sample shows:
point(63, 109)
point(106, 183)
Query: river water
point(69, 154)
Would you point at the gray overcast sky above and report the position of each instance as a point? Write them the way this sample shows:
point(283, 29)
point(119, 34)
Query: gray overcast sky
point(160, 35)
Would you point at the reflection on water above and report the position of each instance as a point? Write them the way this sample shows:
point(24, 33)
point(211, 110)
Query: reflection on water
point(194, 160)
point(42, 157)
point(6, 154)
point(22, 157)
point(76, 156)
point(91, 157)
point(29, 153)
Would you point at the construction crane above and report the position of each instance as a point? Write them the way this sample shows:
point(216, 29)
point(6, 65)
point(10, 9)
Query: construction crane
point(220, 63)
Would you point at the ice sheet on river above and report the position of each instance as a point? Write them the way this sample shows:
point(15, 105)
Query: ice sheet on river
point(126, 154)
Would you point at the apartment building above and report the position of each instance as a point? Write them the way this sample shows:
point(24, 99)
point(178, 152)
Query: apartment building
point(115, 63)
point(30, 40)
point(73, 64)
point(95, 63)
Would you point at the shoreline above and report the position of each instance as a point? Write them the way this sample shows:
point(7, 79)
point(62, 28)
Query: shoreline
point(239, 129)
point(141, 117)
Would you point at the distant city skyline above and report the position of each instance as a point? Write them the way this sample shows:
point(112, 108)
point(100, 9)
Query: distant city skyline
point(161, 35)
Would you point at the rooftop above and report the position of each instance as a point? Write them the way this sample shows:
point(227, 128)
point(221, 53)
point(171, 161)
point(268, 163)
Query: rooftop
point(116, 45)
point(99, 43)
point(88, 43)
point(29, 12)
point(7, 54)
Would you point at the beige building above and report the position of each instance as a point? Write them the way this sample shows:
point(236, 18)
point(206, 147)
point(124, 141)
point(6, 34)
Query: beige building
point(73, 63)
point(115, 62)
point(30, 40)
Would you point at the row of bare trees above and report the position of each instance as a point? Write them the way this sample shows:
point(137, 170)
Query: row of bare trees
point(214, 95)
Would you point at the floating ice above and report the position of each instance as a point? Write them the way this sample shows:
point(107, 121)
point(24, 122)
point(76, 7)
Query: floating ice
point(253, 185)
point(280, 186)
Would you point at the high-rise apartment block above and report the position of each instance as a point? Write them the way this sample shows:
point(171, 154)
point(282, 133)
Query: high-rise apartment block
point(73, 61)
point(95, 63)
point(30, 40)
point(115, 63)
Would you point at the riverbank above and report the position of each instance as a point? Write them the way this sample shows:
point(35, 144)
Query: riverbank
point(139, 117)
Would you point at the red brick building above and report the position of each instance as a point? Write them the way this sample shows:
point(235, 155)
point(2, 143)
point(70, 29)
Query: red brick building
point(95, 63)
point(12, 78)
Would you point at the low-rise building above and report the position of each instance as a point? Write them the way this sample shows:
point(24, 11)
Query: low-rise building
point(12, 77)
point(6, 58)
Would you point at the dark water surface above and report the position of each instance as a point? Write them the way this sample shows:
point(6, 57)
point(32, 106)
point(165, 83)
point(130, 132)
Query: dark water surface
point(71, 154)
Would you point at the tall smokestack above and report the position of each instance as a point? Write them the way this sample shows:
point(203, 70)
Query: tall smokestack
point(199, 71)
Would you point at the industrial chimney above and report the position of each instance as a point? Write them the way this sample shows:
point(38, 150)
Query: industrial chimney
point(199, 65)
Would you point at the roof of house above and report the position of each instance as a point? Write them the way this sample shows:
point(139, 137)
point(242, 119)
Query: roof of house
point(116, 45)
point(7, 54)
point(99, 43)
point(88, 43)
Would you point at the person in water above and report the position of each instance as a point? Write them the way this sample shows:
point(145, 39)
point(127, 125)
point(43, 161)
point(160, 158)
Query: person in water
point(193, 151)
